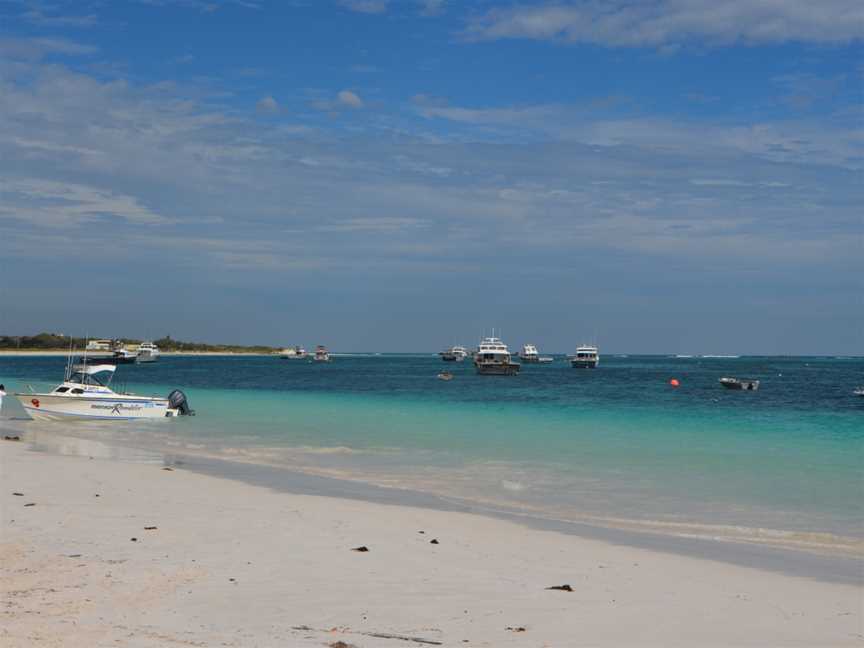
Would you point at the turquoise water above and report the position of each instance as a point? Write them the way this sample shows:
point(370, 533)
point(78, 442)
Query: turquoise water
point(616, 445)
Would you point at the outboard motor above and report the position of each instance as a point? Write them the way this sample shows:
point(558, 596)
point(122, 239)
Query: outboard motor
point(177, 400)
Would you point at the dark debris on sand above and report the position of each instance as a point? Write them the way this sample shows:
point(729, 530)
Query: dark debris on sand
point(361, 549)
point(561, 588)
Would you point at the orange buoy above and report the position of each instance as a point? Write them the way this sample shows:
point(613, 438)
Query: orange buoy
point(674, 382)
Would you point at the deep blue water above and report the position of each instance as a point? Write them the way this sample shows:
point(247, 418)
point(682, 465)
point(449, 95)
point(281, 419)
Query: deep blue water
point(615, 442)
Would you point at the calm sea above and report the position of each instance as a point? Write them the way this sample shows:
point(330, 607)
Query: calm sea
point(614, 446)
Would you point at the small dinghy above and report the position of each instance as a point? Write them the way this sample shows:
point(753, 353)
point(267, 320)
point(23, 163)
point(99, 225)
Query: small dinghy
point(742, 384)
point(445, 375)
point(859, 391)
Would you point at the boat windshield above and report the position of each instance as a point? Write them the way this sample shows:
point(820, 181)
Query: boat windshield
point(84, 374)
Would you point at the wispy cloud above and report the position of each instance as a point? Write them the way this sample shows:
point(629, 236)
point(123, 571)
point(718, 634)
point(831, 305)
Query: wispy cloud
point(431, 7)
point(655, 23)
point(38, 48)
point(267, 105)
point(349, 98)
point(42, 18)
point(52, 203)
point(366, 6)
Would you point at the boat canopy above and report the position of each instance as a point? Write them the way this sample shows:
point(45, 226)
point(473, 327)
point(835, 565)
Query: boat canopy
point(94, 369)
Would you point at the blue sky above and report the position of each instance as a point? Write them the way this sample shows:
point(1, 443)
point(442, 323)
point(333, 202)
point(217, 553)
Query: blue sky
point(663, 176)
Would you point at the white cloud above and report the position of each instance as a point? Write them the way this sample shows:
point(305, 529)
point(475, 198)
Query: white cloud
point(431, 7)
point(39, 17)
point(75, 150)
point(373, 224)
point(654, 23)
point(350, 99)
point(33, 49)
point(52, 203)
point(830, 142)
point(366, 6)
point(267, 105)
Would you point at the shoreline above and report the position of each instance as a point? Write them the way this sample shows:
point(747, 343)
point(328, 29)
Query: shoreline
point(206, 546)
point(808, 553)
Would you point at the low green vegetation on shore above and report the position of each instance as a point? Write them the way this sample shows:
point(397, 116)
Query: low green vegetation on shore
point(60, 342)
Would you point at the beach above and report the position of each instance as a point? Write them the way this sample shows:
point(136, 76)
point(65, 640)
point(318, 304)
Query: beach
point(101, 551)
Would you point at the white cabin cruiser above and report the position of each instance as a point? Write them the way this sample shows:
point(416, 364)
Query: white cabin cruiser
point(454, 354)
point(321, 354)
point(293, 353)
point(148, 352)
point(82, 395)
point(529, 354)
point(587, 357)
point(493, 359)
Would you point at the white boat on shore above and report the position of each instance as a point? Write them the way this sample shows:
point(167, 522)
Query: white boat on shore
point(493, 359)
point(83, 395)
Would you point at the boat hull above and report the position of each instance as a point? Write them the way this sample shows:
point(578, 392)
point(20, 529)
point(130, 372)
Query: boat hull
point(497, 369)
point(740, 385)
point(50, 407)
point(584, 364)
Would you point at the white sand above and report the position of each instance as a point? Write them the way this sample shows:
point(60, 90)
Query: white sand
point(291, 560)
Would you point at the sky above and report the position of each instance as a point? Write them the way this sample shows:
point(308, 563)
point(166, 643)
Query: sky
point(658, 176)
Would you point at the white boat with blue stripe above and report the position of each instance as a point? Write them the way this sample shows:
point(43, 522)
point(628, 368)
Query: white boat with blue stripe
point(85, 394)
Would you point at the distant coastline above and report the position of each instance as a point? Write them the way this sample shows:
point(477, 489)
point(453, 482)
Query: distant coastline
point(59, 344)
point(63, 352)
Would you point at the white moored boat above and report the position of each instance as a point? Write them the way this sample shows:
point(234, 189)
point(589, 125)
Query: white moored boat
point(493, 359)
point(321, 354)
point(82, 395)
point(293, 353)
point(148, 352)
point(529, 354)
point(454, 354)
point(587, 357)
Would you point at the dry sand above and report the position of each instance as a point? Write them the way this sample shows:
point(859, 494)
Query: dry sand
point(231, 564)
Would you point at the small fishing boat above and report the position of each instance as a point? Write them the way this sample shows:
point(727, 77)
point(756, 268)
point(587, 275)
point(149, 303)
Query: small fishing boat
point(859, 391)
point(742, 384)
point(445, 375)
point(493, 359)
point(86, 394)
point(321, 354)
point(586, 357)
point(454, 354)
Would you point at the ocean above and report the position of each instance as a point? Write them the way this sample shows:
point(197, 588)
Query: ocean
point(616, 446)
